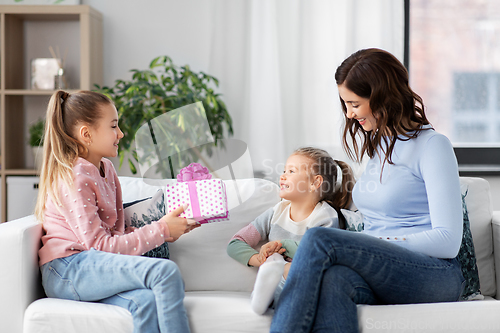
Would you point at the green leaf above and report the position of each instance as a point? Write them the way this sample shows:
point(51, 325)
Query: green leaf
point(132, 167)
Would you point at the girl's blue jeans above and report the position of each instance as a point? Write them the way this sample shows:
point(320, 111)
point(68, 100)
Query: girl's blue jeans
point(151, 289)
point(334, 270)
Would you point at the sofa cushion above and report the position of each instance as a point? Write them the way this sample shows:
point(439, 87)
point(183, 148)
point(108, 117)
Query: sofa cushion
point(224, 312)
point(480, 215)
point(144, 211)
point(476, 316)
point(467, 256)
point(216, 312)
point(52, 315)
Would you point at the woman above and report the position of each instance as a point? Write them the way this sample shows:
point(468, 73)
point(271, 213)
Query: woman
point(409, 195)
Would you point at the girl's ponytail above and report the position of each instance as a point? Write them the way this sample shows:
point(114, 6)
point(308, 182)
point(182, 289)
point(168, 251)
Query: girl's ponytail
point(342, 197)
point(60, 148)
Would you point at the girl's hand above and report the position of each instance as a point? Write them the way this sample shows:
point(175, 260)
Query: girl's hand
point(256, 260)
point(270, 248)
point(266, 250)
point(178, 226)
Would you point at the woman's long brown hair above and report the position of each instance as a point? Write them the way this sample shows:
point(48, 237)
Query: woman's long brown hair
point(380, 77)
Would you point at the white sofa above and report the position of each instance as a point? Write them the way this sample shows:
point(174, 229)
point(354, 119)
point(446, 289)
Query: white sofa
point(218, 288)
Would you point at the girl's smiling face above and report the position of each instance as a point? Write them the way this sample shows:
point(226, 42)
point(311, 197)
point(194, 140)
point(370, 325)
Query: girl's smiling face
point(296, 180)
point(358, 108)
point(104, 135)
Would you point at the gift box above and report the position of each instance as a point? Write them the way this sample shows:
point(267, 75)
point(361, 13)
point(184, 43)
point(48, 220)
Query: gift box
point(206, 197)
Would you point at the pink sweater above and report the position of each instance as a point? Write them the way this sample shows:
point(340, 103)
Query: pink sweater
point(91, 216)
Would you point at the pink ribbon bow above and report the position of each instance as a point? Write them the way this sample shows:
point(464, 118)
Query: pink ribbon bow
point(194, 171)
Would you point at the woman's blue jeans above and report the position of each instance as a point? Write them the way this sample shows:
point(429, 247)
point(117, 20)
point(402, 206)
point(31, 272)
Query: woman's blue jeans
point(151, 289)
point(334, 270)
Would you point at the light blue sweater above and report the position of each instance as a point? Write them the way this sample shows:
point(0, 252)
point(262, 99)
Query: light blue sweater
point(417, 203)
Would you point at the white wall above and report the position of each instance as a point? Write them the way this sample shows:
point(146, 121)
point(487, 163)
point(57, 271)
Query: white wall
point(135, 32)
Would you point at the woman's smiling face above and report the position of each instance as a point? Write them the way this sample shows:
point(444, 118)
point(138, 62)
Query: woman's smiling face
point(358, 108)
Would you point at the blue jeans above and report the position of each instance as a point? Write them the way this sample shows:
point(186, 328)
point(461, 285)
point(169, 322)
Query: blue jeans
point(334, 270)
point(151, 289)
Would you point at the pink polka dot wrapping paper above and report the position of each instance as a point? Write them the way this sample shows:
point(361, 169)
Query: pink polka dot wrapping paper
point(206, 198)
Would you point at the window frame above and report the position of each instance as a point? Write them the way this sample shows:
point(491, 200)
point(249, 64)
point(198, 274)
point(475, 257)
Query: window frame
point(473, 160)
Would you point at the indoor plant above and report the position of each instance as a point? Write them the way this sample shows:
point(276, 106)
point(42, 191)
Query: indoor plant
point(36, 131)
point(162, 88)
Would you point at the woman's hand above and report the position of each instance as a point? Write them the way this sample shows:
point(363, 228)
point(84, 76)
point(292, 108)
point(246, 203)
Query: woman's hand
point(178, 226)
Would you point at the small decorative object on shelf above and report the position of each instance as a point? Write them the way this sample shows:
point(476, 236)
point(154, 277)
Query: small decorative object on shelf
point(59, 78)
point(43, 71)
point(206, 196)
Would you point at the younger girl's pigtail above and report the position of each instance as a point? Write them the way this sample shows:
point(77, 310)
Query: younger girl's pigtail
point(338, 179)
point(342, 198)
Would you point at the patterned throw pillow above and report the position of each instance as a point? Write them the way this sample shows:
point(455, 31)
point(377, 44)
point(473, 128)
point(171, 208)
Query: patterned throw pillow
point(142, 212)
point(354, 220)
point(467, 258)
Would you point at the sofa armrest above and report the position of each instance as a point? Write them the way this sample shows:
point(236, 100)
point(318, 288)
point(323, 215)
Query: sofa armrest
point(495, 225)
point(20, 278)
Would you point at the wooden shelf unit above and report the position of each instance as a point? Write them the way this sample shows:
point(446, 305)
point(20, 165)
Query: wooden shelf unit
point(14, 88)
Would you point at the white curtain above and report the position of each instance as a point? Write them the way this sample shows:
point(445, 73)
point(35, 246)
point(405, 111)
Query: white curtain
point(276, 61)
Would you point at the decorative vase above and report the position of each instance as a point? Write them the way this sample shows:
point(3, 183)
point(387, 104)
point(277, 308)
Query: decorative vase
point(37, 157)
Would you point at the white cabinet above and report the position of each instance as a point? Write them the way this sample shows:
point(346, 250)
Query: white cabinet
point(21, 196)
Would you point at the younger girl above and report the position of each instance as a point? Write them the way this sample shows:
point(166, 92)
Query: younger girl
point(80, 205)
point(314, 187)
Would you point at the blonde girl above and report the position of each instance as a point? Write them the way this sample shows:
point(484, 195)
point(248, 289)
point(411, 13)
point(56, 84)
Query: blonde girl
point(314, 188)
point(88, 254)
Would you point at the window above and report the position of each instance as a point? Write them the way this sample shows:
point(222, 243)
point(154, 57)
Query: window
point(454, 63)
point(476, 107)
